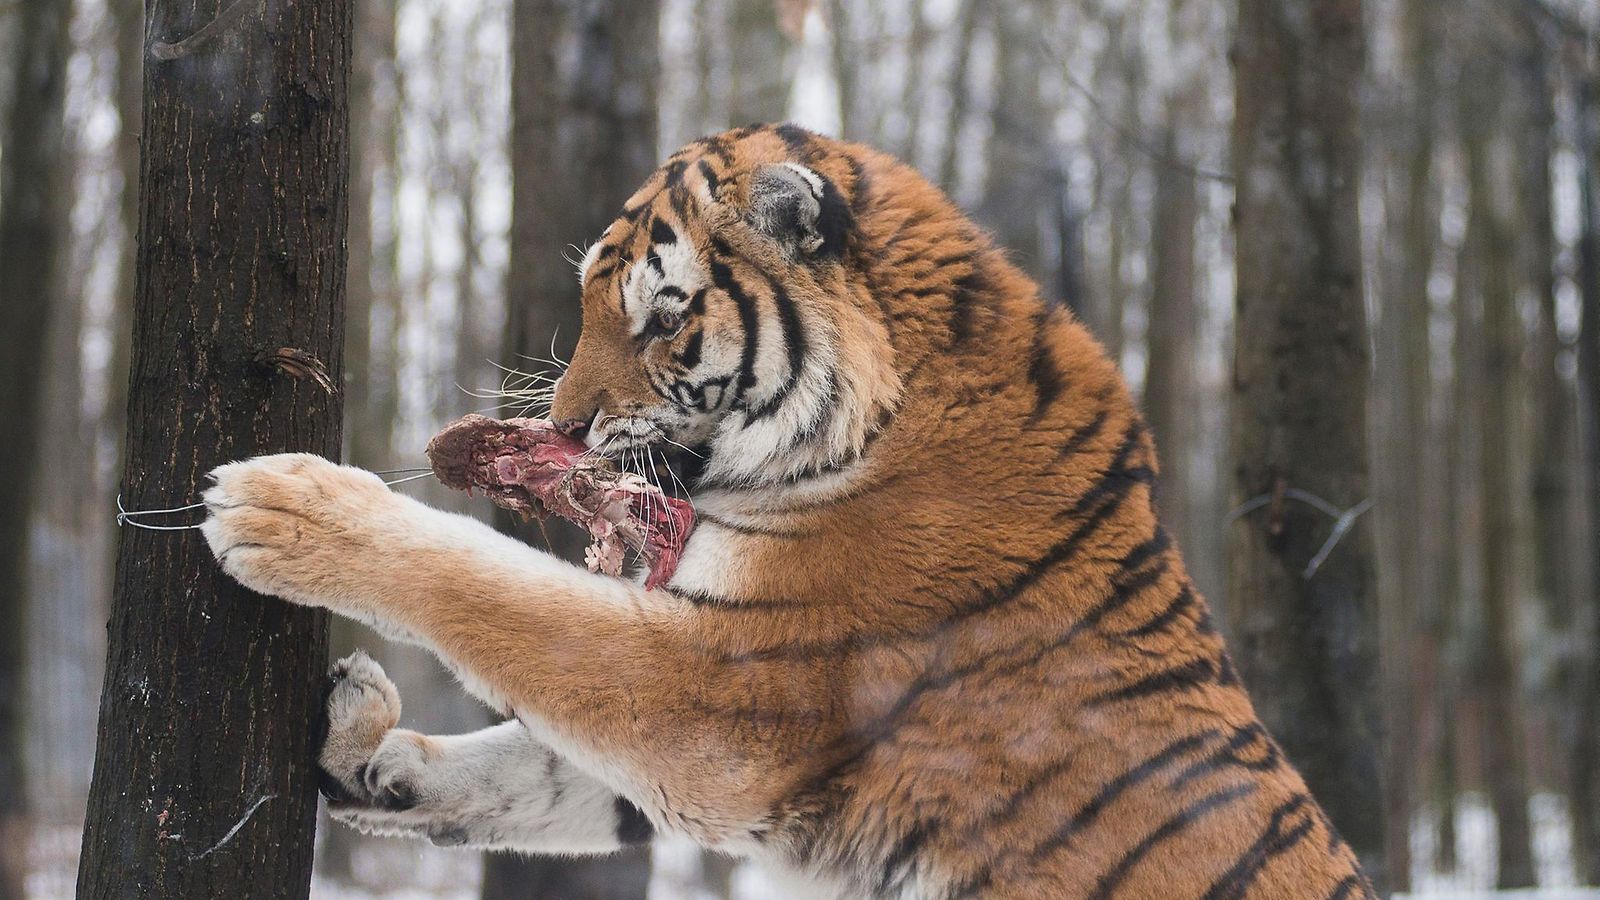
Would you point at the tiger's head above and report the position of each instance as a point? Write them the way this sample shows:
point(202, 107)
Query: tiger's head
point(723, 313)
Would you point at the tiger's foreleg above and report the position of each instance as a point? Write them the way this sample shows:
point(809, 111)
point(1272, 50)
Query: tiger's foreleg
point(497, 788)
point(603, 673)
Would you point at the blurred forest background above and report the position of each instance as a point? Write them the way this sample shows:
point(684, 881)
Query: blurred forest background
point(1093, 137)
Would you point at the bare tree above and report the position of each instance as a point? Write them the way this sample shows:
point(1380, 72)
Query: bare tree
point(959, 87)
point(203, 779)
point(1490, 272)
point(29, 179)
point(1585, 753)
point(583, 137)
point(369, 423)
point(1548, 395)
point(1304, 622)
point(1408, 481)
point(1170, 393)
point(1020, 162)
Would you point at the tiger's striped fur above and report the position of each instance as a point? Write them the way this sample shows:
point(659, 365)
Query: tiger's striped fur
point(929, 638)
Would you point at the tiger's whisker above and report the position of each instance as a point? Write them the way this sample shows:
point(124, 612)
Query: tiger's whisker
point(681, 447)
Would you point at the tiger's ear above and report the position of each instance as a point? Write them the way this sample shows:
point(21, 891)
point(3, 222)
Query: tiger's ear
point(798, 208)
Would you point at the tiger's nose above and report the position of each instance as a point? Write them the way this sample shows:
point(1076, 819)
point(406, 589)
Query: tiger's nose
point(573, 428)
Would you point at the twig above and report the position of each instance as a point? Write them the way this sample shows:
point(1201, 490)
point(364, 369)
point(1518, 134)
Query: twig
point(234, 830)
point(1344, 519)
point(1126, 131)
point(1570, 28)
point(224, 21)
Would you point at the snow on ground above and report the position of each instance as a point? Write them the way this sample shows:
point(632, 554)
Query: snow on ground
point(1474, 875)
point(407, 870)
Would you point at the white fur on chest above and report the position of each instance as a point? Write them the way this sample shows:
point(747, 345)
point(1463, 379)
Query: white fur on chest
point(714, 560)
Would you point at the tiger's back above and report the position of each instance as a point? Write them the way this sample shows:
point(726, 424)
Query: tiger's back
point(975, 651)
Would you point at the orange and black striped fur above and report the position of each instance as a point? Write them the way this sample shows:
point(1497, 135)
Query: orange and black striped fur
point(928, 640)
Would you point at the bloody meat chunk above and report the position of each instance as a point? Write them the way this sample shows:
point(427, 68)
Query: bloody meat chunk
point(531, 468)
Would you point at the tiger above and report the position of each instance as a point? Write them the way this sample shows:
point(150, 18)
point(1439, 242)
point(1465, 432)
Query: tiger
point(928, 638)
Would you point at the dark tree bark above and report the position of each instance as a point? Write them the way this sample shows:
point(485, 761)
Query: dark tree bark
point(1307, 643)
point(28, 245)
point(1585, 754)
point(1548, 394)
point(1490, 270)
point(128, 20)
point(204, 782)
point(583, 137)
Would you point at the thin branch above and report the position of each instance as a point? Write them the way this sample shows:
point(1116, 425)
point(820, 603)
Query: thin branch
point(1125, 131)
point(234, 830)
point(1569, 27)
point(1344, 519)
point(224, 21)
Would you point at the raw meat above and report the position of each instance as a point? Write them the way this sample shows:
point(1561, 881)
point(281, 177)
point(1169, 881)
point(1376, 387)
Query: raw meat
point(529, 467)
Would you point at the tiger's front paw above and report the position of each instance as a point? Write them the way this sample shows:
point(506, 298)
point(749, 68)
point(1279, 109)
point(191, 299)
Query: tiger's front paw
point(296, 526)
point(363, 706)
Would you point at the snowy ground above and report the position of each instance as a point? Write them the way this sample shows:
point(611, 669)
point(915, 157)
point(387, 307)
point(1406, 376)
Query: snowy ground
point(403, 870)
point(1475, 856)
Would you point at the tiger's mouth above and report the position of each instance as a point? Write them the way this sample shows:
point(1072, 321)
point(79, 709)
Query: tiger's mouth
point(645, 447)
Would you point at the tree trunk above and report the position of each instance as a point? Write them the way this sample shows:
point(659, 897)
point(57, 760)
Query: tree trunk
point(913, 94)
point(367, 435)
point(1491, 274)
point(128, 20)
point(960, 95)
point(1547, 394)
point(1019, 161)
point(583, 137)
point(29, 178)
point(62, 584)
point(368, 432)
point(1407, 475)
point(1170, 398)
point(1307, 641)
point(1585, 754)
point(204, 783)
point(846, 69)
